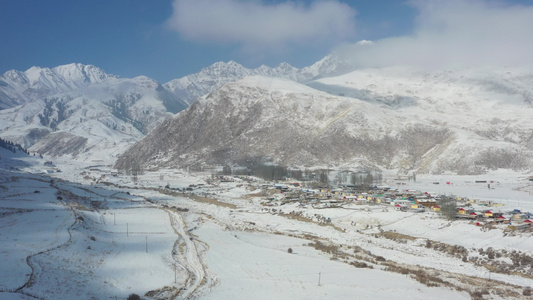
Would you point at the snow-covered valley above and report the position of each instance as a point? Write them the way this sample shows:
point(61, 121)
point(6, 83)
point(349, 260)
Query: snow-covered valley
point(73, 226)
point(78, 234)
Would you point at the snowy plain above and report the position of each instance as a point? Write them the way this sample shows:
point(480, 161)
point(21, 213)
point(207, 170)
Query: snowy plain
point(80, 235)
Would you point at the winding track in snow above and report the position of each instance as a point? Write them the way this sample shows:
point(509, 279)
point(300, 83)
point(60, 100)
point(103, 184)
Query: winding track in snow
point(33, 266)
point(194, 265)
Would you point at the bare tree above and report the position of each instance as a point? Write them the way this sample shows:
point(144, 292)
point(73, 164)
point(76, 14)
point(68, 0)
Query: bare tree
point(448, 207)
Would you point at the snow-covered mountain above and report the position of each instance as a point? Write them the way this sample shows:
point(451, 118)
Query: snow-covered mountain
point(80, 111)
point(209, 79)
point(18, 87)
point(461, 121)
point(465, 122)
point(61, 111)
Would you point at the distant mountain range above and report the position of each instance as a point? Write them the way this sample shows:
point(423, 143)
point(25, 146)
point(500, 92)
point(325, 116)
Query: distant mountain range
point(18, 87)
point(190, 87)
point(328, 115)
point(78, 110)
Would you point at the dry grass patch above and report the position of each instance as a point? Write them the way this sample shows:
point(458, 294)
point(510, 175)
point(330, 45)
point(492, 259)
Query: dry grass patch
point(211, 201)
point(167, 292)
point(300, 217)
point(395, 236)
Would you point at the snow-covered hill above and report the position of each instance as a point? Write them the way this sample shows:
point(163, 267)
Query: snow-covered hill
point(465, 122)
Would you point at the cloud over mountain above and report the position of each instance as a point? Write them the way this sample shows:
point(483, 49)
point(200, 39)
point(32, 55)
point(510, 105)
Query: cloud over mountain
point(256, 25)
point(456, 33)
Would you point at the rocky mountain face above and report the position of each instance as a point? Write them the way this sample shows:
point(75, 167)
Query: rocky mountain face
point(78, 110)
point(266, 120)
point(466, 122)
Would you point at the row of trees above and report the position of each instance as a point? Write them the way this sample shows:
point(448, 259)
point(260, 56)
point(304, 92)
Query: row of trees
point(119, 108)
point(322, 176)
point(54, 112)
point(12, 146)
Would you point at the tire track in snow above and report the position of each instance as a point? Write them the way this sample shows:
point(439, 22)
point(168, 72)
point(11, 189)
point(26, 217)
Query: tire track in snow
point(194, 266)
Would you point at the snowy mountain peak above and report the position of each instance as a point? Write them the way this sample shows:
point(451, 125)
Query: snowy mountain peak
point(193, 86)
point(331, 65)
point(84, 73)
point(18, 87)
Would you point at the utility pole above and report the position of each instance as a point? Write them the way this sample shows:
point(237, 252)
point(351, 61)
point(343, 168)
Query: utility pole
point(318, 278)
point(175, 274)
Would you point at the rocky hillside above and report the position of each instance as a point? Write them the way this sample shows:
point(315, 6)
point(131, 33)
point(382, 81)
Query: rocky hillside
point(266, 120)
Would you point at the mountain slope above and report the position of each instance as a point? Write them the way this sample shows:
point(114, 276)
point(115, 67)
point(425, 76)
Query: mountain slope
point(261, 119)
point(489, 109)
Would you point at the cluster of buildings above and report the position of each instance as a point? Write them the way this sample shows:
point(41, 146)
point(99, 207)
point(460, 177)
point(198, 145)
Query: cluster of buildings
point(350, 195)
point(403, 200)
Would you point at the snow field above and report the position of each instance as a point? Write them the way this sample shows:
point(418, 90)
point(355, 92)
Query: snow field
point(258, 266)
point(236, 252)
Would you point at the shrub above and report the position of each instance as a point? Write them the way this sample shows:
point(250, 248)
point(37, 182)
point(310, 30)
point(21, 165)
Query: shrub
point(526, 292)
point(289, 250)
point(134, 297)
point(358, 264)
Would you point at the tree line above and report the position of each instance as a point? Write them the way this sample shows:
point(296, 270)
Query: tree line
point(13, 147)
point(324, 177)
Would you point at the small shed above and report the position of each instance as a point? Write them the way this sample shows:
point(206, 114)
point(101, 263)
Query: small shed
point(488, 214)
point(436, 208)
point(519, 217)
point(462, 211)
point(501, 219)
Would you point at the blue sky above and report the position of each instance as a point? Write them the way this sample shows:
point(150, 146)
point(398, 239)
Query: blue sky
point(168, 39)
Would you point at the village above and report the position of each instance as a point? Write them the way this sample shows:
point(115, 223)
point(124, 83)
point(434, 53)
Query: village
point(477, 212)
point(310, 195)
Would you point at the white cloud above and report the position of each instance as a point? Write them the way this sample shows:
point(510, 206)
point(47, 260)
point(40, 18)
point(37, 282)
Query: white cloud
point(455, 33)
point(255, 25)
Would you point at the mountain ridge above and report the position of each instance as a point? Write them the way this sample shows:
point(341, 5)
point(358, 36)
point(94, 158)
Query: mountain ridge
point(18, 87)
point(192, 86)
